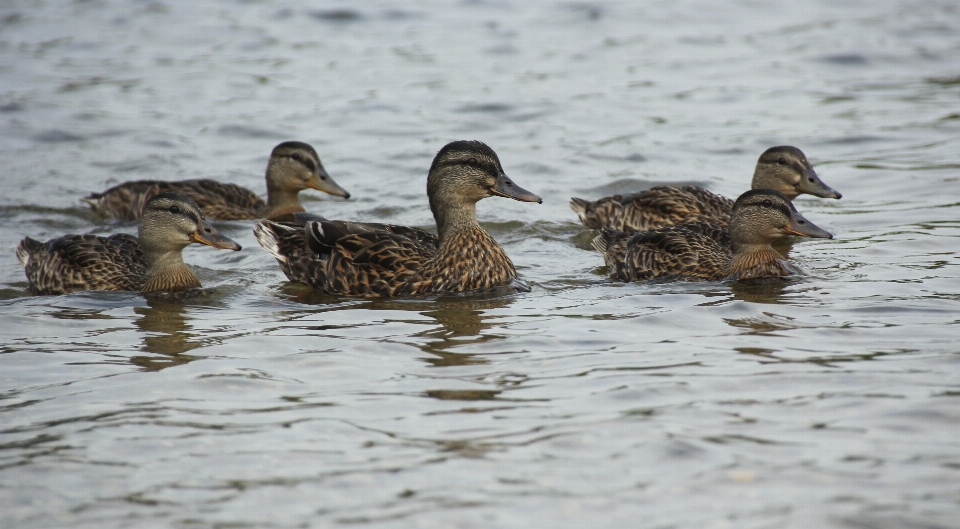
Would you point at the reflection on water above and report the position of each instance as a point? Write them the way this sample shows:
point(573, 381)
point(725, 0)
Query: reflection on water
point(164, 324)
point(584, 402)
point(461, 323)
point(773, 290)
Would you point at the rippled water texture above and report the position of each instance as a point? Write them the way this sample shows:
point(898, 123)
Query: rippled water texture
point(829, 400)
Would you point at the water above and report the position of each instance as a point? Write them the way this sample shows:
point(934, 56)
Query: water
point(825, 401)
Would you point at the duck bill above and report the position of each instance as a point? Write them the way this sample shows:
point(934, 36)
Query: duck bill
point(323, 182)
point(811, 183)
point(506, 188)
point(206, 234)
point(804, 228)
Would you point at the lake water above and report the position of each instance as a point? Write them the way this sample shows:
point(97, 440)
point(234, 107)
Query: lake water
point(829, 400)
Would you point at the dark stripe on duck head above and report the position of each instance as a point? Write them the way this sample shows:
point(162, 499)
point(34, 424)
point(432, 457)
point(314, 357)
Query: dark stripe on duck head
point(294, 145)
point(474, 153)
point(190, 208)
point(767, 198)
point(306, 161)
point(783, 149)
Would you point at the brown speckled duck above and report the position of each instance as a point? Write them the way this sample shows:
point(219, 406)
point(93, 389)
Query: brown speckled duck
point(362, 259)
point(784, 169)
point(152, 262)
point(293, 167)
point(760, 216)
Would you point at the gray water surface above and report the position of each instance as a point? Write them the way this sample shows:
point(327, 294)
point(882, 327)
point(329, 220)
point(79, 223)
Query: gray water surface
point(829, 400)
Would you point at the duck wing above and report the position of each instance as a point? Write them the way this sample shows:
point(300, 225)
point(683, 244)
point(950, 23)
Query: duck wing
point(606, 212)
point(217, 200)
point(657, 207)
point(671, 251)
point(124, 201)
point(83, 262)
point(369, 259)
point(721, 234)
point(663, 206)
point(346, 257)
point(220, 201)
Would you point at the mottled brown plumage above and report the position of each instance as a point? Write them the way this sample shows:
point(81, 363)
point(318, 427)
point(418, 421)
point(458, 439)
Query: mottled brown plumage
point(784, 169)
point(151, 262)
point(365, 259)
point(293, 166)
point(699, 250)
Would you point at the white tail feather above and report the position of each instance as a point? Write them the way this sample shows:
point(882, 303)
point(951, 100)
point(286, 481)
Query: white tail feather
point(263, 231)
point(599, 243)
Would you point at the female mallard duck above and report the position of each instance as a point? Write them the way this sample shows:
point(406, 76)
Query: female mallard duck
point(361, 259)
point(293, 167)
point(760, 216)
point(784, 169)
point(153, 262)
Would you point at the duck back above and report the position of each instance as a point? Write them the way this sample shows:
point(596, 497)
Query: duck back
point(74, 263)
point(657, 207)
point(217, 200)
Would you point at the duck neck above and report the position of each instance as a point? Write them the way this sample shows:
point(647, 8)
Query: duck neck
point(166, 271)
point(452, 220)
point(281, 201)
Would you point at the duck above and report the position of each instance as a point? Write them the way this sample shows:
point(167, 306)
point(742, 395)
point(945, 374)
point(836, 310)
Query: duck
point(696, 251)
point(783, 168)
point(150, 262)
point(293, 167)
point(381, 260)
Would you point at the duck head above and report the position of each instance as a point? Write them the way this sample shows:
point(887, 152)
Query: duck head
point(172, 221)
point(761, 216)
point(464, 172)
point(787, 170)
point(295, 166)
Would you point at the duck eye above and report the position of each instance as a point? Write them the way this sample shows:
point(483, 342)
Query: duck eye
point(472, 161)
point(781, 161)
point(767, 203)
point(174, 209)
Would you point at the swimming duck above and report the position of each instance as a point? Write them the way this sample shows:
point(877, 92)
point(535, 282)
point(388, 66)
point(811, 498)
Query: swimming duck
point(293, 167)
point(784, 169)
point(151, 262)
point(365, 259)
point(760, 216)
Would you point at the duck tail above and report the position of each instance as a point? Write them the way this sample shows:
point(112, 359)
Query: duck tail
point(26, 248)
point(580, 207)
point(95, 201)
point(266, 233)
point(599, 243)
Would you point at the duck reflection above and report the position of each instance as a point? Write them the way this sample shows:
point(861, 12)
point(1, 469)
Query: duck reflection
point(462, 322)
point(772, 290)
point(164, 325)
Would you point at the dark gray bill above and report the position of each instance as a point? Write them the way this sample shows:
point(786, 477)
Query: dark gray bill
point(798, 225)
point(323, 182)
point(506, 188)
point(206, 234)
point(811, 183)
